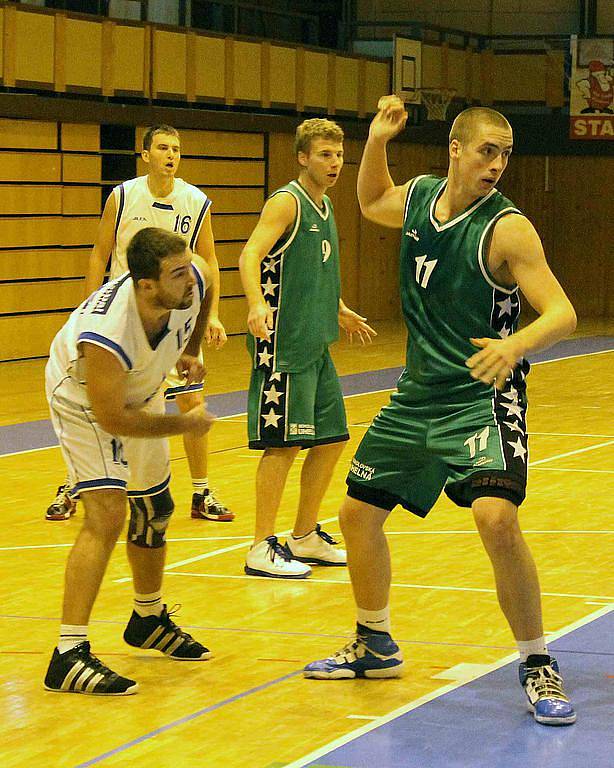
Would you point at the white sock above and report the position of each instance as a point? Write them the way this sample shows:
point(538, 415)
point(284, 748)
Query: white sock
point(71, 635)
point(148, 605)
point(528, 648)
point(200, 485)
point(378, 621)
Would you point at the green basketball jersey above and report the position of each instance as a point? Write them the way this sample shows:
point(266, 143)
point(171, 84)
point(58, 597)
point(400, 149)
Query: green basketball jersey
point(448, 294)
point(300, 280)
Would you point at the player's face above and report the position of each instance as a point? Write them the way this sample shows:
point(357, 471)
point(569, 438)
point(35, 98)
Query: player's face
point(483, 158)
point(175, 286)
point(163, 156)
point(323, 162)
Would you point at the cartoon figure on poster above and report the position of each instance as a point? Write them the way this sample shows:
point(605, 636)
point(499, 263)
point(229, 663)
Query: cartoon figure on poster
point(597, 88)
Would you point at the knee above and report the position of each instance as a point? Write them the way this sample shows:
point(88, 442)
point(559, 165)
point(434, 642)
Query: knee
point(357, 520)
point(149, 519)
point(105, 514)
point(497, 522)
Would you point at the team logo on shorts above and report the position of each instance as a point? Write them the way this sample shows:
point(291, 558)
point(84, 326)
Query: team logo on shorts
point(302, 429)
point(363, 471)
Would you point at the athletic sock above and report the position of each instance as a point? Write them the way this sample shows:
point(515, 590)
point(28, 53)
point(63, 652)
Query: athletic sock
point(535, 647)
point(148, 605)
point(71, 635)
point(374, 621)
point(200, 485)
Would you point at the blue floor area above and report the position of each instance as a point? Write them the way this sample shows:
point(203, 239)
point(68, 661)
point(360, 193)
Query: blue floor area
point(34, 435)
point(484, 724)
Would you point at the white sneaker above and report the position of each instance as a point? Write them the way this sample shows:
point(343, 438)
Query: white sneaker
point(269, 558)
point(317, 548)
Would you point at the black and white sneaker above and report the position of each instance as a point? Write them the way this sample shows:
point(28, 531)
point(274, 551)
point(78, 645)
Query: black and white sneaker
point(160, 633)
point(79, 671)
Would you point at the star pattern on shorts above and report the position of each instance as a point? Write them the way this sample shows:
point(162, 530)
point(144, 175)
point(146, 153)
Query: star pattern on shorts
point(265, 357)
point(514, 426)
point(513, 409)
point(268, 288)
point(272, 395)
point(271, 418)
point(519, 449)
point(270, 266)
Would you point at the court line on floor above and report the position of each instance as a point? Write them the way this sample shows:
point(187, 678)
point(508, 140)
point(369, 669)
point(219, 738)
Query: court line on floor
point(180, 540)
point(433, 587)
point(348, 737)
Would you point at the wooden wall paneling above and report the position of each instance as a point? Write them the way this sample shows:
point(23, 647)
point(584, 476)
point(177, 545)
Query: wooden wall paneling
point(247, 73)
point(30, 166)
point(1, 45)
point(283, 166)
point(16, 232)
point(107, 86)
point(220, 172)
point(377, 83)
point(283, 75)
point(81, 168)
point(331, 79)
point(79, 137)
point(9, 45)
point(228, 253)
point(210, 68)
point(129, 54)
point(20, 339)
point(378, 289)
point(32, 264)
point(84, 54)
point(555, 79)
point(220, 143)
point(34, 49)
point(487, 67)
point(34, 296)
point(59, 59)
point(457, 72)
point(30, 199)
point(190, 65)
point(476, 77)
point(230, 284)
point(229, 71)
point(233, 314)
point(233, 227)
point(81, 200)
point(169, 64)
point(265, 74)
point(300, 79)
point(519, 77)
point(27, 134)
point(316, 81)
point(79, 231)
point(241, 200)
point(346, 79)
point(444, 52)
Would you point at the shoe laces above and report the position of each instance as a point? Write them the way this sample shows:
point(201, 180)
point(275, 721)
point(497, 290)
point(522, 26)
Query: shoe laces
point(325, 536)
point(278, 550)
point(60, 499)
point(545, 683)
point(355, 649)
point(166, 621)
point(213, 502)
point(91, 661)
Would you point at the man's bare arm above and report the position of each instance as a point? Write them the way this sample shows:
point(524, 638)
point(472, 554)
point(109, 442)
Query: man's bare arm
point(103, 245)
point(205, 248)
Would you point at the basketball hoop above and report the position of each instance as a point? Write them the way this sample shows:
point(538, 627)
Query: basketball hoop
point(436, 101)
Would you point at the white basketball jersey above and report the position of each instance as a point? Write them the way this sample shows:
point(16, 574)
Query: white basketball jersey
point(110, 319)
point(182, 212)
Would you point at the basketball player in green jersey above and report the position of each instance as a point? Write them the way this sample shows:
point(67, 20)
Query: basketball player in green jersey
point(457, 420)
point(290, 273)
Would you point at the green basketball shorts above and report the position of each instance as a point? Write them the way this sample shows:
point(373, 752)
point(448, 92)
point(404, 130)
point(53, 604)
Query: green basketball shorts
point(413, 451)
point(296, 409)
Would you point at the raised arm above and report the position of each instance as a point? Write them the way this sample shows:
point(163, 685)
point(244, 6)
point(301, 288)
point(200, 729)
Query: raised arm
point(516, 252)
point(380, 200)
point(106, 389)
point(205, 248)
point(277, 218)
point(103, 245)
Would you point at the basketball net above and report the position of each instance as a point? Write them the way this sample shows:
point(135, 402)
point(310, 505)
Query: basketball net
point(436, 101)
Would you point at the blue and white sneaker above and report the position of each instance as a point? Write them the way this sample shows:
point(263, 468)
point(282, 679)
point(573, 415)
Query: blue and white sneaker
point(373, 655)
point(540, 678)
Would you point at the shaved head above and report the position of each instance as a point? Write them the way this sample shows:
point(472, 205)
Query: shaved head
point(466, 125)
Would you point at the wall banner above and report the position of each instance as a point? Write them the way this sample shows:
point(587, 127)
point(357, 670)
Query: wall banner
point(591, 89)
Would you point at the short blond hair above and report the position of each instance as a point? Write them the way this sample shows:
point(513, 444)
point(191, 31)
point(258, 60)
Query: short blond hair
point(316, 128)
point(465, 124)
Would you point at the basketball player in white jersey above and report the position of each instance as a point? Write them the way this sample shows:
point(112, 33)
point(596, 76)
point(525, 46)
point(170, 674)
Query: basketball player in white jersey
point(104, 382)
point(162, 200)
